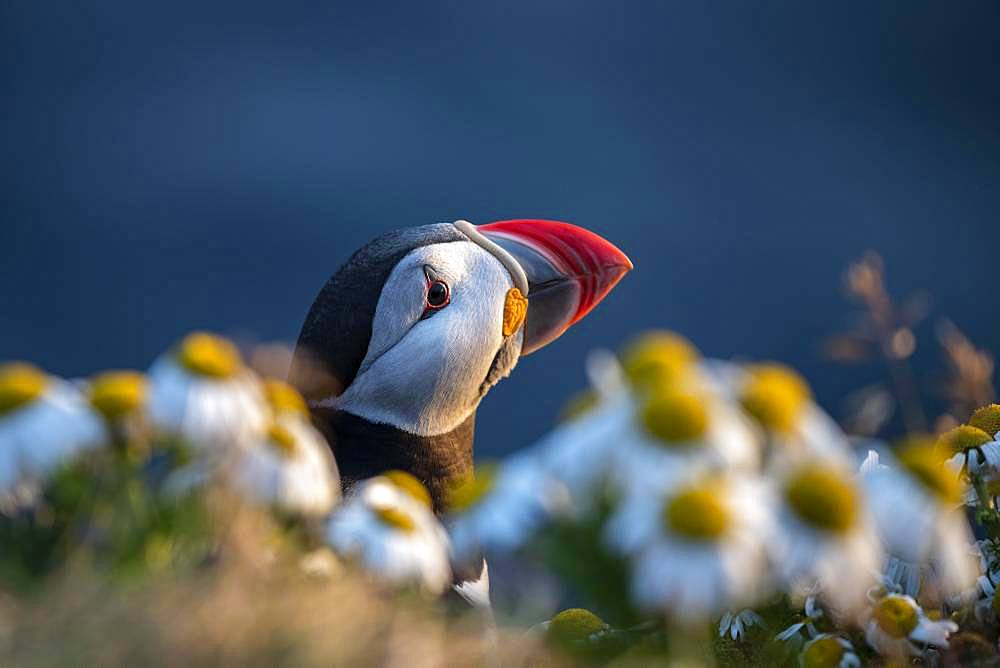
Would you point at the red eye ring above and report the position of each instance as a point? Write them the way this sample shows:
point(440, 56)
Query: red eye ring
point(438, 295)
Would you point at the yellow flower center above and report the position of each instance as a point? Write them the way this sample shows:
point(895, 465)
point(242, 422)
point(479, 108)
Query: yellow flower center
point(962, 439)
point(696, 514)
point(470, 490)
point(579, 405)
point(823, 498)
point(775, 395)
point(395, 518)
point(823, 653)
point(896, 616)
point(924, 464)
point(282, 440)
point(987, 418)
point(20, 384)
point(574, 625)
point(658, 359)
point(117, 393)
point(675, 418)
point(209, 355)
point(409, 484)
point(283, 398)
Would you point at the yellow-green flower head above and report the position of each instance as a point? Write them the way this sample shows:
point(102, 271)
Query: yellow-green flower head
point(823, 652)
point(896, 616)
point(394, 517)
point(574, 625)
point(674, 418)
point(823, 498)
point(923, 461)
point(987, 418)
point(409, 484)
point(775, 396)
point(962, 439)
point(579, 405)
point(115, 394)
point(283, 398)
point(469, 491)
point(209, 355)
point(20, 384)
point(658, 359)
point(697, 513)
point(282, 440)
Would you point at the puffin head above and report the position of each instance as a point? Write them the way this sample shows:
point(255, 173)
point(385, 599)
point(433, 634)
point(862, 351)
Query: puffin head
point(420, 323)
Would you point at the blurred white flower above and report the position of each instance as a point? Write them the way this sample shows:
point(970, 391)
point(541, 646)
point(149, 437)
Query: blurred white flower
point(916, 504)
point(900, 628)
point(696, 550)
point(393, 534)
point(737, 624)
point(827, 535)
point(501, 506)
point(44, 422)
point(202, 394)
point(292, 469)
point(793, 634)
point(828, 651)
point(798, 430)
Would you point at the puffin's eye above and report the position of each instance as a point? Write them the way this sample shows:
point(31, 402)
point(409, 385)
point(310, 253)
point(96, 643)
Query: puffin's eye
point(438, 294)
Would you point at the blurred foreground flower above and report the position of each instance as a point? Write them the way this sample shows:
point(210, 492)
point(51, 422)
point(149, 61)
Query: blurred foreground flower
point(202, 394)
point(387, 526)
point(828, 651)
point(44, 423)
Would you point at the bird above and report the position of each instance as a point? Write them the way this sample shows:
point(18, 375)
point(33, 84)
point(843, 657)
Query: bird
point(404, 341)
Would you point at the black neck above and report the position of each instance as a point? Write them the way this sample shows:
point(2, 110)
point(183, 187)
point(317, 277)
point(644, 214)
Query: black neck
point(365, 449)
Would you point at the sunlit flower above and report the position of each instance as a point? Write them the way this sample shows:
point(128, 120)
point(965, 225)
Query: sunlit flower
point(827, 535)
point(780, 401)
point(501, 506)
point(697, 549)
point(291, 469)
point(202, 393)
point(736, 625)
point(899, 627)
point(284, 399)
point(393, 534)
point(987, 418)
point(915, 504)
point(660, 359)
point(44, 422)
point(971, 453)
point(828, 651)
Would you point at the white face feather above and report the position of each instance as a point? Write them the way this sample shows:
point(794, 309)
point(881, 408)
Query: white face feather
point(426, 376)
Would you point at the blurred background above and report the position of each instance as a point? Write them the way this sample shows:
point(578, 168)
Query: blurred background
point(208, 166)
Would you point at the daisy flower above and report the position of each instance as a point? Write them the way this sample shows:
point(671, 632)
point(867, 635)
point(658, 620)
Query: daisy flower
point(202, 393)
point(828, 651)
point(812, 612)
point(577, 631)
point(826, 535)
point(737, 624)
point(987, 418)
point(972, 454)
point(292, 469)
point(120, 397)
point(44, 422)
point(500, 506)
point(697, 549)
point(393, 534)
point(899, 627)
point(661, 358)
point(780, 401)
point(916, 505)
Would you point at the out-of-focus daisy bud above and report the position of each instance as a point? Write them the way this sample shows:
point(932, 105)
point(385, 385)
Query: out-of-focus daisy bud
point(201, 393)
point(44, 423)
point(829, 651)
point(827, 534)
point(291, 469)
point(284, 399)
point(660, 359)
point(392, 535)
point(120, 397)
point(987, 418)
point(899, 628)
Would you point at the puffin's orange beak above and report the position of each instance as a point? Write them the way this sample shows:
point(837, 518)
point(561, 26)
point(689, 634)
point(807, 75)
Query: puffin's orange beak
point(569, 271)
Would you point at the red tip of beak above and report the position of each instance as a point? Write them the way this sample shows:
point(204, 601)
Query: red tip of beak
point(594, 262)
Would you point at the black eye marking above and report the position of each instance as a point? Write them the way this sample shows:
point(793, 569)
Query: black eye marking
point(438, 293)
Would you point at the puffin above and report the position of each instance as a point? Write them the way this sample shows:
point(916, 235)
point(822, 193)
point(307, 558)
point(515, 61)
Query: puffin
point(404, 341)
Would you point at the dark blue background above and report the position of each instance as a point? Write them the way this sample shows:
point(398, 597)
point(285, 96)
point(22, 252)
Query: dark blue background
point(194, 165)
